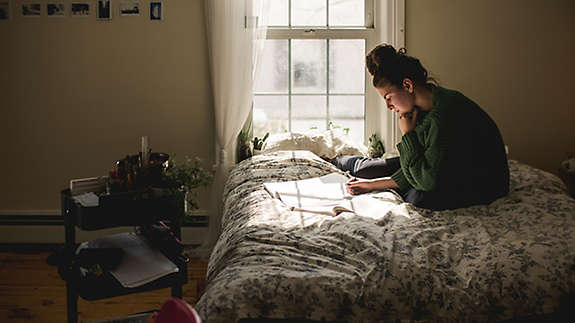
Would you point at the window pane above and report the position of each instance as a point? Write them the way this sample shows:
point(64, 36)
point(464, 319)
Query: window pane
point(347, 13)
point(356, 128)
point(348, 112)
point(308, 13)
point(347, 66)
point(308, 66)
point(278, 13)
point(270, 114)
point(347, 106)
point(309, 112)
point(273, 73)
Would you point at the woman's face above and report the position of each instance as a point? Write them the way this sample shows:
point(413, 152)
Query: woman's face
point(400, 100)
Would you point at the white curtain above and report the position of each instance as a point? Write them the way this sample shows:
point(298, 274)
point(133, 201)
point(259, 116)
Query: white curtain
point(235, 33)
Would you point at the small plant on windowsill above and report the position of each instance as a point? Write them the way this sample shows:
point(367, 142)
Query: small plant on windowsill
point(376, 148)
point(258, 143)
point(333, 126)
point(187, 176)
point(244, 146)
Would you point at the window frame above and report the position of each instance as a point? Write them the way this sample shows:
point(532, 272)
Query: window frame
point(385, 22)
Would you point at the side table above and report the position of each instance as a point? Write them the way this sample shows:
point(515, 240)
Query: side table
point(113, 211)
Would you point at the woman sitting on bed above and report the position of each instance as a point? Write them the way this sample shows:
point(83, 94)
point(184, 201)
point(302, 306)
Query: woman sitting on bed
point(451, 154)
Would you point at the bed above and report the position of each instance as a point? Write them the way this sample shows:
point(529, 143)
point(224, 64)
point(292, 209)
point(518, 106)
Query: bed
point(511, 260)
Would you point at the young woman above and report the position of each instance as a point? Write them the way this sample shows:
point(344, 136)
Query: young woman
point(451, 152)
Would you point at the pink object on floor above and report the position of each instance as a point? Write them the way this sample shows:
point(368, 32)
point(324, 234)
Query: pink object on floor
point(176, 310)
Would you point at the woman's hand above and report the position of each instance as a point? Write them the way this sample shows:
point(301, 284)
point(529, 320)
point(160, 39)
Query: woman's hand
point(407, 121)
point(355, 187)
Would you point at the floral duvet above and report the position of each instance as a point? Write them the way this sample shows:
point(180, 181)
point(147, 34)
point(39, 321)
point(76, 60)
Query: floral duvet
point(511, 259)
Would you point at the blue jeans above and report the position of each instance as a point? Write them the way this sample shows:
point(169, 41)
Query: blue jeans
point(375, 167)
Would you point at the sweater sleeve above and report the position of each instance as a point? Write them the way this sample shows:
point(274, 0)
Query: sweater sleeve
point(420, 161)
point(400, 180)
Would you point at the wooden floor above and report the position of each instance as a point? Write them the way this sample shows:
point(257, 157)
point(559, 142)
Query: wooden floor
point(32, 291)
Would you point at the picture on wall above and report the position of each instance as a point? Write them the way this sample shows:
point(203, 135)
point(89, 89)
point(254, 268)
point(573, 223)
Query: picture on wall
point(104, 10)
point(4, 9)
point(156, 10)
point(129, 8)
point(56, 9)
point(31, 9)
point(80, 9)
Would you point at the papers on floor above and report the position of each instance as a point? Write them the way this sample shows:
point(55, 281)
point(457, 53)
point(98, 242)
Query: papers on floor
point(324, 195)
point(140, 264)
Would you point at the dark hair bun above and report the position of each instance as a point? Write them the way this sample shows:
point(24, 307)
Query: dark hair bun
point(380, 55)
point(387, 65)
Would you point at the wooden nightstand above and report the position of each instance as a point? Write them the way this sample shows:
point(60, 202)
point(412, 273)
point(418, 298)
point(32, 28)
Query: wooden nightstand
point(568, 178)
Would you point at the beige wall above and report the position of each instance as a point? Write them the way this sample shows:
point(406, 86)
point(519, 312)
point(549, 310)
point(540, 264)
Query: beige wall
point(77, 94)
point(515, 58)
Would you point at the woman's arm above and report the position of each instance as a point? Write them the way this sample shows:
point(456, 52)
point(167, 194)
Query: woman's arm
point(378, 184)
point(420, 162)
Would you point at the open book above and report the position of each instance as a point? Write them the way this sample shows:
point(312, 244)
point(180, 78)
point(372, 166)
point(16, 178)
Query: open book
point(324, 195)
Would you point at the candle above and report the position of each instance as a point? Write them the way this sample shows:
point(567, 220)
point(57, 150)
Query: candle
point(145, 150)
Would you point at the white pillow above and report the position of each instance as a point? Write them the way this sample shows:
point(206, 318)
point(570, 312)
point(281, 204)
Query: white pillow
point(326, 144)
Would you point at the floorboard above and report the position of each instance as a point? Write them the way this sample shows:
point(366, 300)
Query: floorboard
point(32, 291)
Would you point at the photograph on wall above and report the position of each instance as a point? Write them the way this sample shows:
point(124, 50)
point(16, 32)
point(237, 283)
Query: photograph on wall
point(129, 8)
point(4, 9)
point(104, 10)
point(57, 9)
point(31, 9)
point(80, 9)
point(156, 10)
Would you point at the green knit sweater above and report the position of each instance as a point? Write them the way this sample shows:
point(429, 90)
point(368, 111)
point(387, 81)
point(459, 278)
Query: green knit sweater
point(455, 149)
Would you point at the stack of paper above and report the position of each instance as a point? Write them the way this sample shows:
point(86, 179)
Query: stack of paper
point(140, 263)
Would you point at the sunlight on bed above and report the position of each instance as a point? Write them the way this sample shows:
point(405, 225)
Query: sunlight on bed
point(272, 212)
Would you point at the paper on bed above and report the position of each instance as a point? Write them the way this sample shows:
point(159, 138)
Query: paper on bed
point(324, 195)
point(363, 205)
point(324, 190)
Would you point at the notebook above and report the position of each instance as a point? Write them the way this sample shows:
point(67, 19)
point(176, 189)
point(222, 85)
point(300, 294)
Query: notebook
point(325, 195)
point(310, 192)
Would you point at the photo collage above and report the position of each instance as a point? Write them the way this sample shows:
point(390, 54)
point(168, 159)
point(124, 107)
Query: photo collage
point(100, 9)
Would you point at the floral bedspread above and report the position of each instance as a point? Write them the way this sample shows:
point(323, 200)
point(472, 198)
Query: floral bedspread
point(512, 258)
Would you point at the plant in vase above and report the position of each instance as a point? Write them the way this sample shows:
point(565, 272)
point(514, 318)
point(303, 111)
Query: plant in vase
point(187, 176)
point(258, 143)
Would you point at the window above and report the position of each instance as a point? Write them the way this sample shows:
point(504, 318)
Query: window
point(312, 73)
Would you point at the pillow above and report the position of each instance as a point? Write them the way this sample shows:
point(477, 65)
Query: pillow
point(326, 144)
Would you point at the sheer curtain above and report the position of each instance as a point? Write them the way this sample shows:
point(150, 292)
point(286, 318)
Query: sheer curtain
point(235, 33)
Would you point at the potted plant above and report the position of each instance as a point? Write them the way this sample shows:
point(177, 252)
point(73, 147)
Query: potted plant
point(259, 142)
point(187, 176)
point(376, 148)
point(244, 146)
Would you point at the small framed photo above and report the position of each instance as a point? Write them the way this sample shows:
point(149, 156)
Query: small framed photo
point(80, 9)
point(156, 10)
point(104, 10)
point(4, 9)
point(56, 9)
point(31, 9)
point(129, 8)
